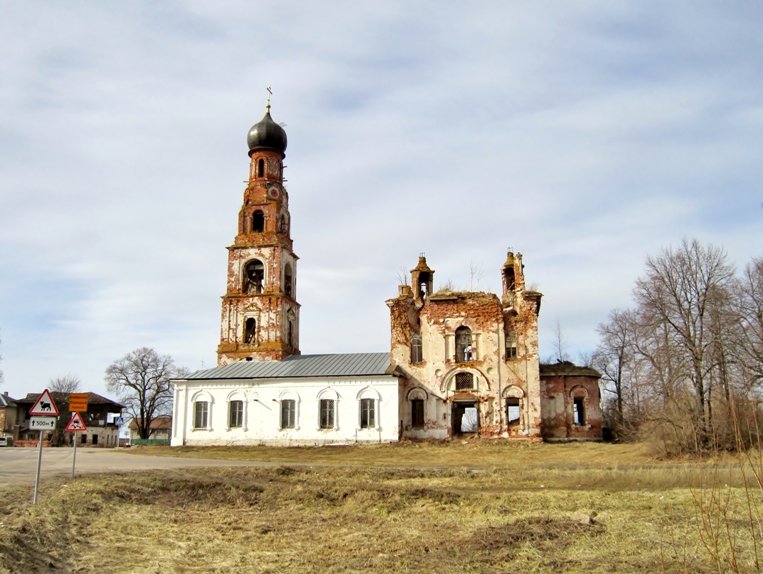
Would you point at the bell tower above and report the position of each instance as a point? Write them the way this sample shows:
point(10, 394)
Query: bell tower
point(260, 313)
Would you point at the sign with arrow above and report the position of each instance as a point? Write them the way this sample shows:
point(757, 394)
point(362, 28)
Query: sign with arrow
point(44, 406)
point(76, 424)
point(42, 423)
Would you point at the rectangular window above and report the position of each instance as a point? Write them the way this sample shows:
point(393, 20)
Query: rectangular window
point(200, 414)
point(83, 438)
point(464, 381)
point(95, 439)
point(367, 413)
point(235, 414)
point(327, 414)
point(417, 413)
point(578, 411)
point(512, 411)
point(416, 351)
point(288, 413)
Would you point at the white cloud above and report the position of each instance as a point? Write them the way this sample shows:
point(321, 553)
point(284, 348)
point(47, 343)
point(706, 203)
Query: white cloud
point(586, 136)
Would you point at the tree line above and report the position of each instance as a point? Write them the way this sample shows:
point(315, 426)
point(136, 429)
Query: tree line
point(683, 366)
point(142, 382)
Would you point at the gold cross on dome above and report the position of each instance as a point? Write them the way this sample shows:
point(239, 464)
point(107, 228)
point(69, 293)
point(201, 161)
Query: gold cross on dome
point(270, 93)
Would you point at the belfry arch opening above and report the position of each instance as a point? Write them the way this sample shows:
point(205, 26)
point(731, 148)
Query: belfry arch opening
point(250, 331)
point(424, 284)
point(290, 329)
point(254, 277)
point(258, 221)
point(288, 280)
point(464, 350)
point(260, 168)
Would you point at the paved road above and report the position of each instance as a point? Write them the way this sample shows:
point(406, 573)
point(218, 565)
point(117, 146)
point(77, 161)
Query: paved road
point(17, 465)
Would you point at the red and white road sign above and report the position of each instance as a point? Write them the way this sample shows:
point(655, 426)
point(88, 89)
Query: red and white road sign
point(76, 424)
point(44, 406)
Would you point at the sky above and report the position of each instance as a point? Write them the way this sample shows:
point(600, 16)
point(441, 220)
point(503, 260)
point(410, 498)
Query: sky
point(585, 135)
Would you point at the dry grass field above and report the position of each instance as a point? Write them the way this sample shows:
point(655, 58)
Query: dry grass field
point(414, 507)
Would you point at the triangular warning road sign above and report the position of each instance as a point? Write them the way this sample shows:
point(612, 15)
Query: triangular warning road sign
point(76, 424)
point(44, 406)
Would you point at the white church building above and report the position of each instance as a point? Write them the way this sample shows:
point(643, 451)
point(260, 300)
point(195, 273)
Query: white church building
point(460, 363)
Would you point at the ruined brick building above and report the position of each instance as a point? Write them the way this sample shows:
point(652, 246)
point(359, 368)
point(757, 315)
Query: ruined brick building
point(461, 363)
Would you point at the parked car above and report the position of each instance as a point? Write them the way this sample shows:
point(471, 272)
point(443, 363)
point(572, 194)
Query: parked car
point(4, 441)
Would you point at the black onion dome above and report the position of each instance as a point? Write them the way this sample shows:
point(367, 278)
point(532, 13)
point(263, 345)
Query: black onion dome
point(266, 134)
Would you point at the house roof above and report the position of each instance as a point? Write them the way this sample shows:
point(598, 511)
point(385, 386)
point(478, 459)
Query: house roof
point(63, 399)
point(569, 369)
point(163, 422)
point(6, 401)
point(300, 366)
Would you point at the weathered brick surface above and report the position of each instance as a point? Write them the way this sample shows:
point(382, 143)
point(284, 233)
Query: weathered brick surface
point(435, 317)
point(264, 235)
point(561, 383)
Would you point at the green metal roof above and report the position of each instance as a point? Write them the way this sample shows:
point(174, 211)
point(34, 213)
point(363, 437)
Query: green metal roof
point(301, 366)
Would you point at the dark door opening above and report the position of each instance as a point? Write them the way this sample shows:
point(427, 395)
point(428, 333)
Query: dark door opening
point(465, 418)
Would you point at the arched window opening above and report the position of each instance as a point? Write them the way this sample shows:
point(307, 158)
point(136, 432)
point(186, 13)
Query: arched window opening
point(258, 221)
point(464, 381)
point(326, 413)
point(425, 284)
point(578, 411)
point(288, 413)
point(254, 276)
point(260, 168)
point(464, 351)
point(283, 224)
point(287, 280)
point(235, 414)
point(513, 411)
point(511, 281)
point(250, 331)
point(200, 414)
point(417, 413)
point(367, 413)
point(511, 346)
point(416, 349)
point(291, 328)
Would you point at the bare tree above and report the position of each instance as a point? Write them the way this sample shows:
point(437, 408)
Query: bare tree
point(402, 276)
point(677, 297)
point(142, 380)
point(560, 344)
point(67, 384)
point(749, 303)
point(614, 356)
point(475, 274)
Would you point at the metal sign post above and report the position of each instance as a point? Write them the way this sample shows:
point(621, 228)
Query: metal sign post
point(76, 424)
point(39, 464)
point(74, 453)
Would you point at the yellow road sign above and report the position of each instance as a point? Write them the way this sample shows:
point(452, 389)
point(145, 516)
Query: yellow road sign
point(78, 402)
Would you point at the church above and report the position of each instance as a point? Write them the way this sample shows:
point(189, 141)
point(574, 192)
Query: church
point(460, 364)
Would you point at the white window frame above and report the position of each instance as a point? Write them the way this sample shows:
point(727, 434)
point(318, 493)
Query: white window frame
point(196, 404)
point(327, 401)
point(293, 414)
point(371, 412)
point(242, 413)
